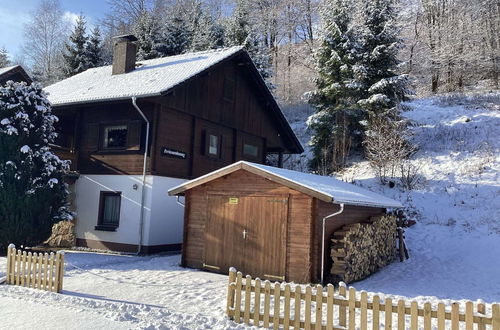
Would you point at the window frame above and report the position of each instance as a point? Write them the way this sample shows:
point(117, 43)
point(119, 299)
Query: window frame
point(101, 224)
point(249, 156)
point(209, 133)
point(102, 136)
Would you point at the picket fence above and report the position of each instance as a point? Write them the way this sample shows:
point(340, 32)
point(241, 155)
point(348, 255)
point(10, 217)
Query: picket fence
point(35, 270)
point(261, 303)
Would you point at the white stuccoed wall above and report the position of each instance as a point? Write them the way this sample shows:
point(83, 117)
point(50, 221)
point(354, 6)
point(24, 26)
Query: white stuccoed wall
point(163, 221)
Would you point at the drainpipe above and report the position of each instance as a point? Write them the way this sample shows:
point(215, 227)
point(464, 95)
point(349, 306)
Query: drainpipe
point(144, 170)
point(323, 239)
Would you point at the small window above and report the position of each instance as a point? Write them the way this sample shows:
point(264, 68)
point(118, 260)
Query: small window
point(115, 137)
point(250, 150)
point(109, 211)
point(213, 145)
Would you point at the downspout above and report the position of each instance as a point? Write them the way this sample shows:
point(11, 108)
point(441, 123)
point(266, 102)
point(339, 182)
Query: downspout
point(144, 170)
point(323, 239)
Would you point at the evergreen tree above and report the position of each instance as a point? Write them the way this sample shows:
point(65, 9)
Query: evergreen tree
point(175, 37)
point(4, 58)
point(334, 123)
point(94, 49)
point(148, 36)
point(206, 33)
point(76, 53)
point(378, 66)
point(239, 31)
point(32, 192)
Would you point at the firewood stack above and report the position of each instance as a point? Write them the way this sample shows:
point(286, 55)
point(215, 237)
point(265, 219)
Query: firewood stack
point(360, 249)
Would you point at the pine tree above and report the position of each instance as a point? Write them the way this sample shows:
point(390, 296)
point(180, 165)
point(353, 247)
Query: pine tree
point(175, 37)
point(76, 54)
point(32, 191)
point(239, 31)
point(378, 66)
point(94, 49)
point(148, 36)
point(334, 123)
point(4, 58)
point(206, 33)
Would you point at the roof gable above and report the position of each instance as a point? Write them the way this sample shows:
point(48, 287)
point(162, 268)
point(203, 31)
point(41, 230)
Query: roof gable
point(325, 188)
point(8, 72)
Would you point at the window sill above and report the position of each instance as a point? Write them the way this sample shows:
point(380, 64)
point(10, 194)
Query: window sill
point(105, 228)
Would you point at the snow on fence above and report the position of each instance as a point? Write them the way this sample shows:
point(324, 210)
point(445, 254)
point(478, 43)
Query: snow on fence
point(261, 303)
point(35, 270)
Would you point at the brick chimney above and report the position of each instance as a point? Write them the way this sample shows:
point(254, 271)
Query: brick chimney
point(124, 52)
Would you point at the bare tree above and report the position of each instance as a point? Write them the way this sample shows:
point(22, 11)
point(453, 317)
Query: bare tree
point(45, 34)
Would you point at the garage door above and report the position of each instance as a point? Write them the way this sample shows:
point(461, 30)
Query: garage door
point(248, 233)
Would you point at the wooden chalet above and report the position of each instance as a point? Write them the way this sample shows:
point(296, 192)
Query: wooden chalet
point(268, 221)
point(15, 73)
point(133, 130)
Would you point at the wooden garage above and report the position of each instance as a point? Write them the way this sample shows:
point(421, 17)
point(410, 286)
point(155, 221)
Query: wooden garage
point(267, 221)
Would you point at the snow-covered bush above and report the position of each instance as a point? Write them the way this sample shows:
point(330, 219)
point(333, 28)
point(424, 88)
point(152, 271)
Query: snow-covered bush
point(32, 192)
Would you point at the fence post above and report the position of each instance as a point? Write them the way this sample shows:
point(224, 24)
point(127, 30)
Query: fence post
point(329, 307)
point(376, 313)
point(267, 302)
point(248, 295)
point(307, 311)
point(388, 313)
point(296, 310)
point(495, 322)
point(276, 313)
point(286, 316)
point(364, 311)
point(352, 308)
point(61, 271)
point(319, 307)
point(9, 263)
point(481, 309)
point(414, 315)
point(441, 313)
point(342, 309)
point(230, 291)
point(469, 316)
point(427, 316)
point(256, 309)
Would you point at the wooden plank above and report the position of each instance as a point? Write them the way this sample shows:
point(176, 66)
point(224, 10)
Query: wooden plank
point(28, 269)
point(495, 322)
point(364, 311)
point(23, 269)
point(51, 271)
point(307, 311)
point(414, 315)
point(18, 264)
point(45, 271)
point(441, 316)
point(40, 270)
point(469, 315)
point(248, 296)
point(352, 309)
point(256, 309)
point(329, 307)
point(9, 264)
point(342, 309)
point(319, 307)
point(296, 307)
point(237, 303)
point(401, 315)
point(455, 316)
point(61, 272)
point(57, 270)
point(376, 313)
point(481, 309)
point(267, 302)
point(286, 317)
point(230, 291)
point(276, 313)
point(427, 316)
point(388, 313)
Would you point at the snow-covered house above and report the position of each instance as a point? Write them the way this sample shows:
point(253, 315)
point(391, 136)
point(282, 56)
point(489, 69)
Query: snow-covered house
point(15, 73)
point(159, 121)
point(270, 222)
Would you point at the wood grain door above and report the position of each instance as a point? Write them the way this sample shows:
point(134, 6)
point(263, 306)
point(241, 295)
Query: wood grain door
point(248, 233)
point(224, 243)
point(265, 249)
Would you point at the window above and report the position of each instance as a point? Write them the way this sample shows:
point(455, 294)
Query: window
point(250, 150)
point(109, 211)
point(213, 145)
point(213, 142)
point(115, 137)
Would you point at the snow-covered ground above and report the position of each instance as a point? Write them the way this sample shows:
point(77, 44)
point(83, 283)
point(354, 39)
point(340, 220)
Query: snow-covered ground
point(454, 247)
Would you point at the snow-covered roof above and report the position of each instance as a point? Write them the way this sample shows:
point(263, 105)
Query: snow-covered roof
point(325, 188)
point(6, 69)
point(150, 78)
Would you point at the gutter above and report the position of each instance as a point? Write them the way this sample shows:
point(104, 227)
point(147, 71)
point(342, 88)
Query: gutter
point(323, 239)
point(144, 170)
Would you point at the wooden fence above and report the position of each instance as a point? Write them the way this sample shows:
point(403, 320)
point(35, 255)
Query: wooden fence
point(35, 270)
point(261, 303)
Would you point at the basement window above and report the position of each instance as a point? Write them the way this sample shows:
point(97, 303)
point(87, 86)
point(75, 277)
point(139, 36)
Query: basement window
point(115, 137)
point(109, 211)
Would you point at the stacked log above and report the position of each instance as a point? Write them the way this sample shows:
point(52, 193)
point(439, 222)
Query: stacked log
point(360, 249)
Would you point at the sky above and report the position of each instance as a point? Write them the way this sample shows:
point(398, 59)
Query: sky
point(15, 14)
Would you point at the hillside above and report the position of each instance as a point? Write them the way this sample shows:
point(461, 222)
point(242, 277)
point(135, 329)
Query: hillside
point(455, 204)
